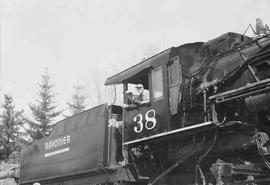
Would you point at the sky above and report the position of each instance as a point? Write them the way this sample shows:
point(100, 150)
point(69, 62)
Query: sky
point(77, 40)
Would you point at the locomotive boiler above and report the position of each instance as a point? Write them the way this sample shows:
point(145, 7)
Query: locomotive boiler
point(206, 122)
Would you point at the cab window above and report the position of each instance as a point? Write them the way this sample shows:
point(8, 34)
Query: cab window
point(137, 90)
point(157, 84)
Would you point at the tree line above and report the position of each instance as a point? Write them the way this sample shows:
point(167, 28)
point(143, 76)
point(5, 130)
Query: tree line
point(17, 129)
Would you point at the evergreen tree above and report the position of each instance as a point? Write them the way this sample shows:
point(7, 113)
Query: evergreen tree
point(10, 128)
point(78, 102)
point(43, 111)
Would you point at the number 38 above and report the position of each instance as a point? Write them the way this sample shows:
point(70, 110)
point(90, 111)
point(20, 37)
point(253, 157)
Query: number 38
point(150, 121)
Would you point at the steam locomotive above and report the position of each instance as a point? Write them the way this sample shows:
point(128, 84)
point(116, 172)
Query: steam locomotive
point(207, 122)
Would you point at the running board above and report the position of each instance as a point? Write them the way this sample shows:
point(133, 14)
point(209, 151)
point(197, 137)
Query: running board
point(180, 130)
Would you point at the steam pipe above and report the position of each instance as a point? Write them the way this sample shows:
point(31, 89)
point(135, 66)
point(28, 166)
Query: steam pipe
point(204, 105)
point(202, 176)
point(203, 156)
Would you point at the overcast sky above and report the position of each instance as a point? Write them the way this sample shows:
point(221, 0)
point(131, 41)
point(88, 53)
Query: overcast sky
point(74, 38)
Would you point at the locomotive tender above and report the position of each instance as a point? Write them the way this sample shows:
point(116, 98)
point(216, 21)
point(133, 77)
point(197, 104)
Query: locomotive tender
point(207, 122)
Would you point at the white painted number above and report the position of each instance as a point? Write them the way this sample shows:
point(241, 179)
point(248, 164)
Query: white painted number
point(150, 121)
point(139, 122)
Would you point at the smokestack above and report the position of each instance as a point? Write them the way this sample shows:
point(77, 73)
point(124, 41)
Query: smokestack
point(259, 26)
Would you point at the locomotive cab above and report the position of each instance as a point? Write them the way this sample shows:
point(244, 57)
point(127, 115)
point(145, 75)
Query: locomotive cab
point(163, 81)
point(147, 116)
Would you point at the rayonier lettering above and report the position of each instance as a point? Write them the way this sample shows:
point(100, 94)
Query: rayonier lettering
point(57, 142)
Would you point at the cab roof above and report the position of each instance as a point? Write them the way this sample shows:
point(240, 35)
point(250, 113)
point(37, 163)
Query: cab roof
point(145, 64)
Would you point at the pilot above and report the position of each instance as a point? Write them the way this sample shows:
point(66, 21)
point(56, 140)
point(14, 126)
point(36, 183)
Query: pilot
point(130, 100)
point(130, 97)
point(142, 96)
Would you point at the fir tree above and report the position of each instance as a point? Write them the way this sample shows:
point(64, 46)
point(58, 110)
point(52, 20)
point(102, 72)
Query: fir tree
point(43, 111)
point(78, 102)
point(10, 128)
